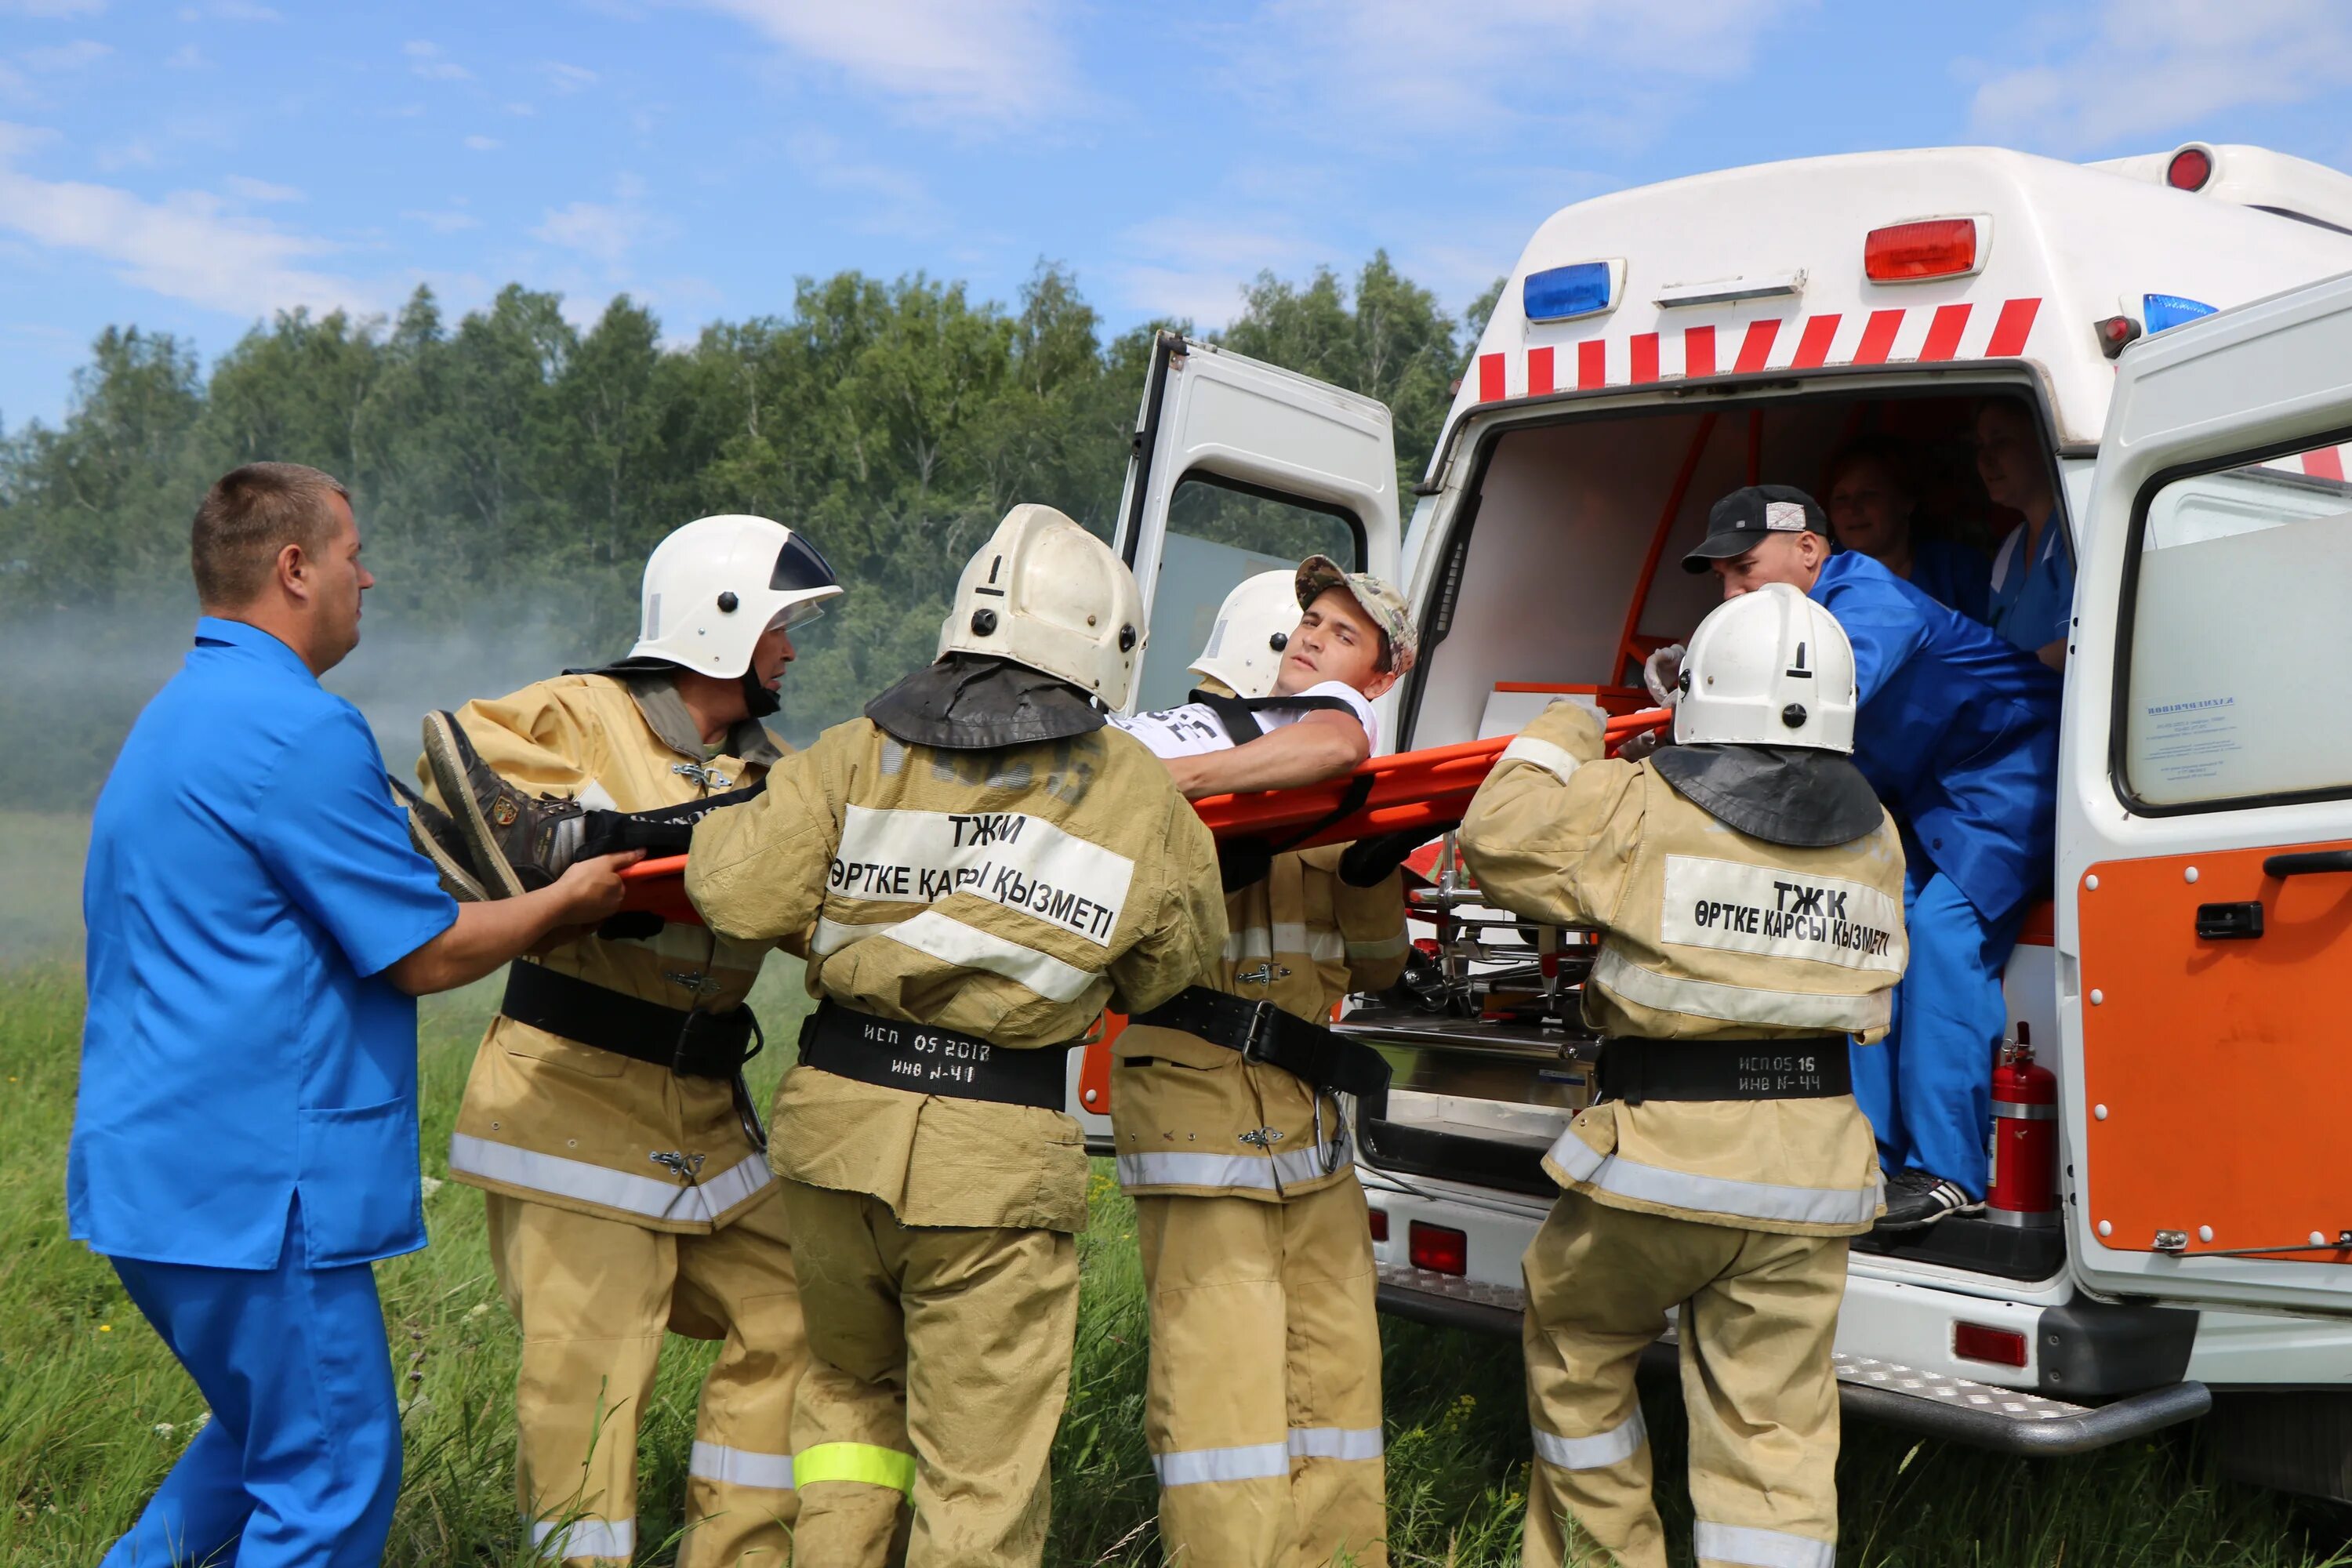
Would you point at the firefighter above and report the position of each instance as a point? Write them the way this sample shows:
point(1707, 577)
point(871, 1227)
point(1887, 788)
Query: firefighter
point(981, 865)
point(605, 1118)
point(1747, 887)
point(1263, 1410)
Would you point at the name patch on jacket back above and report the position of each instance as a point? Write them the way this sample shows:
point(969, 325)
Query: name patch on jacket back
point(1775, 913)
point(1008, 858)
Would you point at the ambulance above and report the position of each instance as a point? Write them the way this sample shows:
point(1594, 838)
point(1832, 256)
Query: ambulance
point(2180, 327)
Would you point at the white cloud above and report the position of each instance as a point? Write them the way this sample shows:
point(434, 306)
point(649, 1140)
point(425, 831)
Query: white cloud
point(228, 11)
point(2143, 70)
point(187, 57)
point(53, 59)
point(444, 222)
point(184, 246)
point(483, 144)
point(567, 78)
point(51, 9)
point(1384, 71)
point(1196, 266)
point(424, 60)
point(991, 60)
point(605, 232)
point(255, 190)
point(887, 200)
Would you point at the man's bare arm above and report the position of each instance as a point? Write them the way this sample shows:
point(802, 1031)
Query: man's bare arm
point(1318, 748)
point(488, 934)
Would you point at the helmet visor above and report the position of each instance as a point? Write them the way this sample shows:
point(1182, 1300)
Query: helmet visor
point(800, 568)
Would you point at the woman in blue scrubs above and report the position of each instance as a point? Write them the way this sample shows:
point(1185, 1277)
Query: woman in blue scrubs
point(2033, 572)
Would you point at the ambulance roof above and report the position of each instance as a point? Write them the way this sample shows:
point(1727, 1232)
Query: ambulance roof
point(1761, 269)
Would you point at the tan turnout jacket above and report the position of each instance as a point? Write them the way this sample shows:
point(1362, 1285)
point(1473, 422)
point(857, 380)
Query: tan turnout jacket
point(1708, 935)
point(1189, 1116)
point(1009, 894)
point(559, 1122)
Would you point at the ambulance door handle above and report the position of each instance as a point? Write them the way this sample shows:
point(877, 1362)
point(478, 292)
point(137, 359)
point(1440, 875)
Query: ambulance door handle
point(2307, 862)
point(2230, 922)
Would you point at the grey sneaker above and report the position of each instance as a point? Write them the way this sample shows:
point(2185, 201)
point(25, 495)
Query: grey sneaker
point(1917, 1199)
point(516, 842)
point(437, 839)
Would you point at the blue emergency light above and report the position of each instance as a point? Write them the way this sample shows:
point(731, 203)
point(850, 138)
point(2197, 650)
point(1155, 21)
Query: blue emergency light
point(1562, 293)
point(2162, 310)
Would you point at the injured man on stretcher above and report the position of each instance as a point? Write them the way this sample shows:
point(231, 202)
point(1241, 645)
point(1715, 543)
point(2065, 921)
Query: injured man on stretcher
point(1290, 674)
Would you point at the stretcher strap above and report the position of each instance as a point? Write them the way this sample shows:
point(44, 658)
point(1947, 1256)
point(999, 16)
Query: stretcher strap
point(866, 1463)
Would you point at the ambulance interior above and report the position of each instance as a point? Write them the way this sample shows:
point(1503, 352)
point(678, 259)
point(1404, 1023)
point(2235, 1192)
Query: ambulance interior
point(1557, 575)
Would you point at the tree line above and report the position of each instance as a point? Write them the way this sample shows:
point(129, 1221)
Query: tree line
point(512, 470)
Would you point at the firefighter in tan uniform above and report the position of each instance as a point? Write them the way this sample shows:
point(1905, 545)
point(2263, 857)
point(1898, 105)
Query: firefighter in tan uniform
point(629, 1195)
point(1748, 888)
point(1263, 1411)
point(979, 867)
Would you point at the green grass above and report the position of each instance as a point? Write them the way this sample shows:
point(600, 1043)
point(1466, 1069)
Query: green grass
point(93, 1411)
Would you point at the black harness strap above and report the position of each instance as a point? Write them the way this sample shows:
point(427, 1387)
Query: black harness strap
point(691, 1043)
point(1263, 1031)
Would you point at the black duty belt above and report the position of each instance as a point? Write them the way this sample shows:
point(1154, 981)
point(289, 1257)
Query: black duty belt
point(1263, 1031)
point(1810, 1067)
point(923, 1058)
point(693, 1044)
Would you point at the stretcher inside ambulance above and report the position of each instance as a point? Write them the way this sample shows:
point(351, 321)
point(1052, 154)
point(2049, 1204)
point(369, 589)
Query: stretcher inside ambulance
point(1657, 348)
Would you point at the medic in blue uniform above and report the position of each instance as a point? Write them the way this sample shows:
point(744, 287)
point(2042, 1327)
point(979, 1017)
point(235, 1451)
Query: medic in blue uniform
point(1959, 734)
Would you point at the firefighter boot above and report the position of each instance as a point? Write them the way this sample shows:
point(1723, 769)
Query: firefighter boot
point(437, 839)
point(517, 841)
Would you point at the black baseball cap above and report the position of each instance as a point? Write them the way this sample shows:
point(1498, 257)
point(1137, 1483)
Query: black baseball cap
point(1735, 523)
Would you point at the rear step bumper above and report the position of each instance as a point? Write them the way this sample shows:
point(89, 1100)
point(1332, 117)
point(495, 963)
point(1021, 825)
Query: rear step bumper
point(2005, 1420)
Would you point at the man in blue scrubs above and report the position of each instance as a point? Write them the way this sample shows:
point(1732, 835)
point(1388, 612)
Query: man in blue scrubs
point(244, 1139)
point(1959, 734)
point(2033, 572)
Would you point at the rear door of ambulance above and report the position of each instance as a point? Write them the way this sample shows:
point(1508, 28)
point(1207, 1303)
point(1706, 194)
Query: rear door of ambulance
point(1238, 468)
point(2205, 820)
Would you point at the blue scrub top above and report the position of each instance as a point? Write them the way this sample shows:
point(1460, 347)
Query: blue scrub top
point(249, 880)
point(2033, 601)
point(1954, 575)
point(1958, 732)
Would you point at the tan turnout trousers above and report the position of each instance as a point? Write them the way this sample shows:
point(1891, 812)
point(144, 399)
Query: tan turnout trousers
point(595, 1299)
point(948, 1343)
point(1263, 1408)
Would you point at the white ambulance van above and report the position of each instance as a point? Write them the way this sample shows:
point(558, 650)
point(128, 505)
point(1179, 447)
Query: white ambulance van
point(1656, 348)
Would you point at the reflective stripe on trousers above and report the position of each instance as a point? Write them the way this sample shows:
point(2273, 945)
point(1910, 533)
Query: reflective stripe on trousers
point(740, 1467)
point(863, 1462)
point(1262, 1461)
point(1598, 1451)
point(703, 1201)
point(1762, 1548)
point(586, 1538)
point(1257, 1172)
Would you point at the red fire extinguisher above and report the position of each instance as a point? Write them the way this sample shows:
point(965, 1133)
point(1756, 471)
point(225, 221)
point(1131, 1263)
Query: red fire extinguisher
point(2024, 1188)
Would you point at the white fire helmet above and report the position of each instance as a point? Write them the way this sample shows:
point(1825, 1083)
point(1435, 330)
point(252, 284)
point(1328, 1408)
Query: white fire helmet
point(714, 587)
point(1044, 593)
point(1767, 669)
point(1253, 625)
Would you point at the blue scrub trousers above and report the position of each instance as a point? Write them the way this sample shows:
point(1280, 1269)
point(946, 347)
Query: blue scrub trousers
point(301, 1460)
point(1927, 1086)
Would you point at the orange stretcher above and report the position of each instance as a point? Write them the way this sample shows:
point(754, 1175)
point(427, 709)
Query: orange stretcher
point(1421, 791)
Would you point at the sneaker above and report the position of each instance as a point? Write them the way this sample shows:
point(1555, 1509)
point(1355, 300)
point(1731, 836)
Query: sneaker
point(516, 841)
point(437, 839)
point(1917, 1199)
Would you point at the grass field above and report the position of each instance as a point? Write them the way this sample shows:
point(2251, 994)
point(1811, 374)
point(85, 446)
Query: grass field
point(93, 1410)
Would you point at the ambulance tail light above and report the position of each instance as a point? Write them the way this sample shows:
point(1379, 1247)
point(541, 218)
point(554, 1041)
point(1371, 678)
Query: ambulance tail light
point(1439, 1248)
point(1564, 293)
point(1915, 252)
point(1976, 1341)
point(2115, 334)
point(2189, 168)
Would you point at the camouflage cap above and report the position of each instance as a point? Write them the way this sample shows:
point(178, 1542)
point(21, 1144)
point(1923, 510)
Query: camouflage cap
point(1381, 602)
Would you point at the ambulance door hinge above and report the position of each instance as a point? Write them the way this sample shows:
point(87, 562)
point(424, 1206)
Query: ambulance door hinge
point(2172, 1241)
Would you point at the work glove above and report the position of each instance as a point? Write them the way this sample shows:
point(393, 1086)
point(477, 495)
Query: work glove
point(1368, 862)
point(1646, 742)
point(1661, 672)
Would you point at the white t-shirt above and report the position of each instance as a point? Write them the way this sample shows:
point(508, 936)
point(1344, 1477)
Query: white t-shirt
point(1194, 728)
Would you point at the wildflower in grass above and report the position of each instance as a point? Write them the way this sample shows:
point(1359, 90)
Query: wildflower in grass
point(164, 1428)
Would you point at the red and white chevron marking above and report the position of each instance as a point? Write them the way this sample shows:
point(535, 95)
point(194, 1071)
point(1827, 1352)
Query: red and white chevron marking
point(1924, 336)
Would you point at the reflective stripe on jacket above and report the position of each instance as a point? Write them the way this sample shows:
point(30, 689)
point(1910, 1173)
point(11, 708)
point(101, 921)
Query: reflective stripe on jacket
point(1707, 933)
point(1010, 894)
point(556, 1121)
point(1192, 1117)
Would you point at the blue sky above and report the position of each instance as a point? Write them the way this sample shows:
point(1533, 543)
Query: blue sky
point(193, 167)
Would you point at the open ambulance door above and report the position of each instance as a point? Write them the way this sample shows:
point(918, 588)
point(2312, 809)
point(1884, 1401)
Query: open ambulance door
point(2205, 821)
point(1237, 468)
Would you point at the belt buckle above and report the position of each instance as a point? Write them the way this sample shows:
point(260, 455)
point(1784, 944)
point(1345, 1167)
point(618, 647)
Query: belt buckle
point(1258, 1033)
